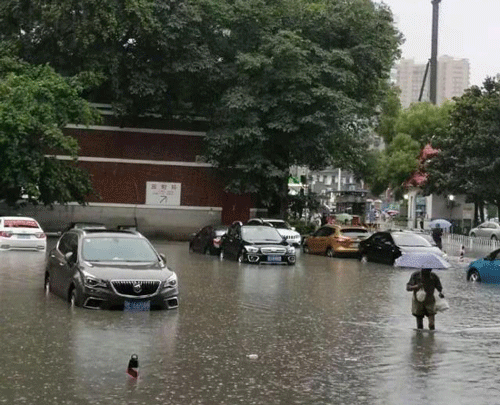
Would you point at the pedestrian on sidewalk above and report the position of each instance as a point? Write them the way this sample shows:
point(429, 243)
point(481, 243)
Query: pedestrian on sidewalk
point(427, 281)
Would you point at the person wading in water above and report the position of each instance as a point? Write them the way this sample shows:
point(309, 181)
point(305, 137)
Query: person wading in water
point(428, 281)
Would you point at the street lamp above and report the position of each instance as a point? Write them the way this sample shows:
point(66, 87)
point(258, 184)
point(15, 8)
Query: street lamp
point(451, 202)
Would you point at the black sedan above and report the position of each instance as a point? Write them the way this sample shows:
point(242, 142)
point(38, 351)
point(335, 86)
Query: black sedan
point(208, 240)
point(387, 246)
point(256, 244)
point(99, 268)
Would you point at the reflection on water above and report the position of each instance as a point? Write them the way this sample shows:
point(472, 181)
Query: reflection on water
point(326, 331)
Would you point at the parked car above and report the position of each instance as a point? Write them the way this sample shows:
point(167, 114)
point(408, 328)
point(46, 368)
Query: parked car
point(387, 246)
point(107, 269)
point(490, 230)
point(486, 269)
point(256, 244)
point(284, 229)
point(208, 240)
point(21, 233)
point(333, 239)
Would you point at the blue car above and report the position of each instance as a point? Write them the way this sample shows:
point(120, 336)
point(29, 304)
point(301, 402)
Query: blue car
point(486, 269)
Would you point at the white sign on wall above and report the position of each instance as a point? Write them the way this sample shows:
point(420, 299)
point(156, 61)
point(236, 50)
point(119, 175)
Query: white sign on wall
point(159, 193)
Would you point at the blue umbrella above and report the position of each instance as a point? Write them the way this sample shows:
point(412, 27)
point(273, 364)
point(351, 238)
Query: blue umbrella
point(443, 223)
point(425, 260)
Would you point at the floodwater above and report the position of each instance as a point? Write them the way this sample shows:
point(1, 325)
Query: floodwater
point(326, 331)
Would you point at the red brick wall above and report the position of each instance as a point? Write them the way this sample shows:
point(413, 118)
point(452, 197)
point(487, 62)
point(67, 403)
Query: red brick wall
point(137, 145)
point(124, 183)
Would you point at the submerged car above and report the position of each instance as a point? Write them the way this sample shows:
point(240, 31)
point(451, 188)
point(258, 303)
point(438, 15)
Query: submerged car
point(333, 240)
point(104, 269)
point(21, 233)
point(256, 244)
point(486, 269)
point(387, 246)
point(208, 240)
point(283, 228)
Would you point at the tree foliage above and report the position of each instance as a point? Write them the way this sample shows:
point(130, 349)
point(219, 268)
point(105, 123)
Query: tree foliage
point(424, 121)
point(306, 87)
point(35, 104)
point(469, 158)
point(155, 56)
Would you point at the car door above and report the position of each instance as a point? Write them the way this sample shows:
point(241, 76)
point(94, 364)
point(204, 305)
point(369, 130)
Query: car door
point(490, 270)
point(67, 269)
point(482, 230)
point(231, 242)
point(382, 248)
point(57, 262)
point(320, 240)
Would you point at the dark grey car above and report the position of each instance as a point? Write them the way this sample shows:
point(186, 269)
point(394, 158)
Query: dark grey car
point(103, 269)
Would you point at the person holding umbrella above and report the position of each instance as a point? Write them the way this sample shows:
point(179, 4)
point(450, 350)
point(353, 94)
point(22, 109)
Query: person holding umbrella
point(428, 281)
point(422, 283)
point(437, 234)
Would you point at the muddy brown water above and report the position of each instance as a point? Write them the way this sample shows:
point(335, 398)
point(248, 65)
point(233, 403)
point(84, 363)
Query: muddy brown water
point(325, 331)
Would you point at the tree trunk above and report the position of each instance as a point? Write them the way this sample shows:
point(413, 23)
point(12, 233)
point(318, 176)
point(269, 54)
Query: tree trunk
point(481, 210)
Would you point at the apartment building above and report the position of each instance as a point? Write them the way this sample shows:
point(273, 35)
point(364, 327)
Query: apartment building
point(452, 79)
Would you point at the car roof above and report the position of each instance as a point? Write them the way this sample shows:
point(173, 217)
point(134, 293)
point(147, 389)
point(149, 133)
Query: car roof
point(9, 218)
point(98, 233)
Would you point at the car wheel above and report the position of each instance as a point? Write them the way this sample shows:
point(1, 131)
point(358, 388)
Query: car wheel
point(305, 249)
point(493, 237)
point(474, 276)
point(241, 257)
point(46, 284)
point(74, 298)
point(330, 252)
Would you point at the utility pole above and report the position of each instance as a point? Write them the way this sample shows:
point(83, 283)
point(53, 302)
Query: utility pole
point(435, 18)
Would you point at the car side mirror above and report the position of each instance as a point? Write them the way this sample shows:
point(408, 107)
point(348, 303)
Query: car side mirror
point(68, 256)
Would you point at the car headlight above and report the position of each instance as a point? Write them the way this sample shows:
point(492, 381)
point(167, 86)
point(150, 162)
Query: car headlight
point(290, 250)
point(252, 249)
point(171, 281)
point(90, 281)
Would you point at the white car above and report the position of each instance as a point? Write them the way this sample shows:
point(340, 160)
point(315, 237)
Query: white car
point(285, 230)
point(21, 233)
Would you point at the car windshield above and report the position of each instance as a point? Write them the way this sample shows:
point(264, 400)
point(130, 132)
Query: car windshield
point(410, 240)
point(114, 248)
point(260, 234)
point(354, 232)
point(279, 224)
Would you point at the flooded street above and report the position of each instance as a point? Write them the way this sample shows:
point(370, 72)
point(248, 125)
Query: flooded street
point(325, 331)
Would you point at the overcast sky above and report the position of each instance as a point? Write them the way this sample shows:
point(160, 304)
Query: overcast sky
point(468, 29)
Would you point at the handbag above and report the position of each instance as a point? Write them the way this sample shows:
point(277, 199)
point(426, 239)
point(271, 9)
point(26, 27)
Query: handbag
point(420, 295)
point(441, 304)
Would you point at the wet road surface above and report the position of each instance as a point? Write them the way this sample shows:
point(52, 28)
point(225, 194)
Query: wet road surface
point(325, 331)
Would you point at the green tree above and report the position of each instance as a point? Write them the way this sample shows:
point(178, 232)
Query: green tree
point(35, 104)
point(157, 57)
point(424, 121)
point(305, 90)
point(390, 112)
point(469, 158)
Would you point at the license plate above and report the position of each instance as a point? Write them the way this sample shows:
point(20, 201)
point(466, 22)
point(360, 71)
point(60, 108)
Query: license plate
point(274, 258)
point(137, 305)
point(23, 236)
